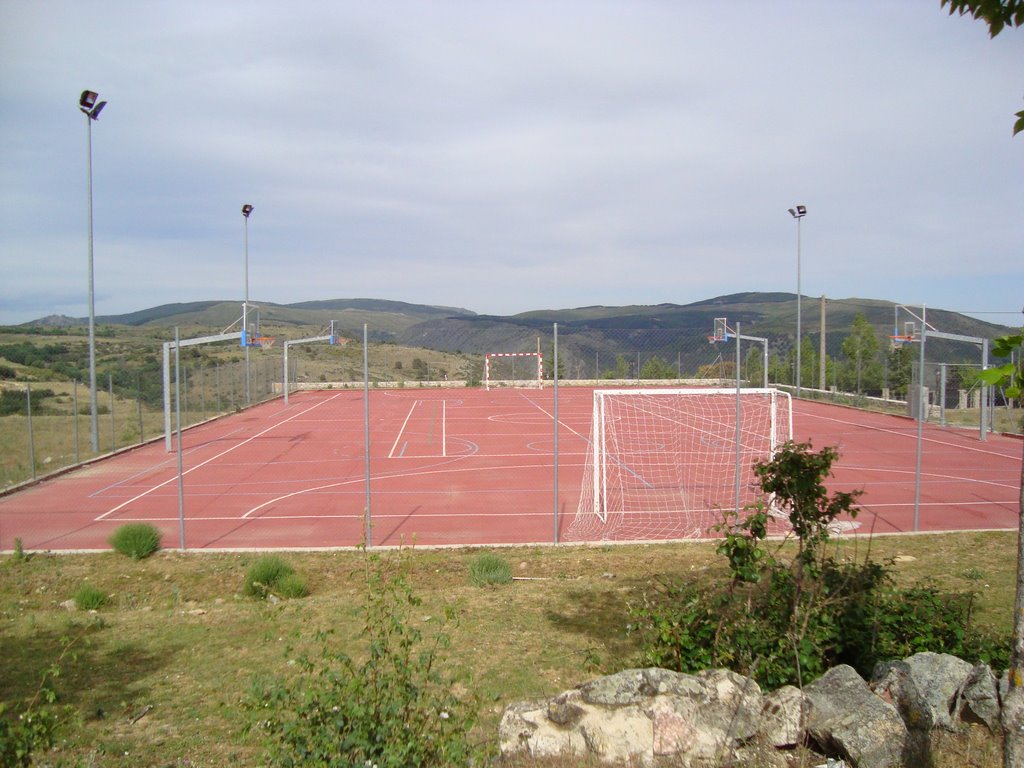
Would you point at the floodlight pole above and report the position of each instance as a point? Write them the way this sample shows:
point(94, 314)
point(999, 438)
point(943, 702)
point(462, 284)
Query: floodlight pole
point(246, 210)
point(798, 212)
point(88, 106)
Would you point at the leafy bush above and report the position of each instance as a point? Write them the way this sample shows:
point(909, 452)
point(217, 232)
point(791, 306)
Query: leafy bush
point(788, 622)
point(31, 726)
point(136, 540)
point(489, 568)
point(271, 574)
point(90, 598)
point(393, 710)
point(25, 734)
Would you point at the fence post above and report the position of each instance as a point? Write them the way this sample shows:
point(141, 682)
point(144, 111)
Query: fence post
point(110, 389)
point(366, 432)
point(31, 441)
point(554, 378)
point(74, 403)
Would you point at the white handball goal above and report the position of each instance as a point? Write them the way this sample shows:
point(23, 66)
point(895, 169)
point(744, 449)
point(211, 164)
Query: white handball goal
point(513, 369)
point(662, 463)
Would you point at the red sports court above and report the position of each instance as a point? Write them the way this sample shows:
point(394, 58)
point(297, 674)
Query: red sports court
point(461, 467)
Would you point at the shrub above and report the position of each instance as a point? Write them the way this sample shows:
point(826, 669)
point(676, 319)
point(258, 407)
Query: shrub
point(788, 622)
point(271, 574)
point(489, 568)
point(292, 585)
point(393, 710)
point(136, 540)
point(90, 598)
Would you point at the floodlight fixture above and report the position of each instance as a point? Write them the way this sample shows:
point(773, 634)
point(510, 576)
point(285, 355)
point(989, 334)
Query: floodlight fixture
point(89, 107)
point(246, 342)
point(798, 212)
point(87, 104)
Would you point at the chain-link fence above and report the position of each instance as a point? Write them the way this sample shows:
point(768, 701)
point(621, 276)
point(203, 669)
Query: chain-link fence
point(47, 425)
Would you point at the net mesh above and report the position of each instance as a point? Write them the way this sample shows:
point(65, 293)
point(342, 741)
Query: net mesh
point(663, 463)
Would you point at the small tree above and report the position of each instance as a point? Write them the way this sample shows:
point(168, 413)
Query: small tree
point(656, 368)
point(861, 349)
point(1011, 377)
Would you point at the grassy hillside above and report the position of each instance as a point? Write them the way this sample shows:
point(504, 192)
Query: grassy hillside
point(161, 673)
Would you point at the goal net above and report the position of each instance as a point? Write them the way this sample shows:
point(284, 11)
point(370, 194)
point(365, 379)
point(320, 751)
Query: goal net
point(664, 463)
point(513, 369)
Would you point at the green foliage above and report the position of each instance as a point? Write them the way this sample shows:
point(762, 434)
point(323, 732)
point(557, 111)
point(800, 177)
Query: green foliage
point(1009, 376)
point(13, 401)
point(19, 551)
point(89, 597)
point(794, 480)
point(788, 622)
point(271, 574)
point(395, 709)
point(996, 13)
point(741, 545)
point(32, 726)
point(488, 568)
point(136, 540)
point(621, 370)
point(656, 368)
point(27, 733)
point(863, 370)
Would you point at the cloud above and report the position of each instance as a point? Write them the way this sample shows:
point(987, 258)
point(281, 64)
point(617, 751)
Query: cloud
point(507, 156)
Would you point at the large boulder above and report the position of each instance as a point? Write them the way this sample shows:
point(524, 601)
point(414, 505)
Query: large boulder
point(847, 720)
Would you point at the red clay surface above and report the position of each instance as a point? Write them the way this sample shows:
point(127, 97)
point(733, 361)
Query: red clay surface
point(459, 467)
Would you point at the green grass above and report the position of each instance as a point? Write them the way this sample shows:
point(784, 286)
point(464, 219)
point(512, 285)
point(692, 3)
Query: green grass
point(90, 598)
point(271, 574)
point(489, 568)
point(179, 636)
point(136, 540)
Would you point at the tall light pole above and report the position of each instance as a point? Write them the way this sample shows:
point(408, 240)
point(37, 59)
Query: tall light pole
point(798, 212)
point(87, 104)
point(246, 210)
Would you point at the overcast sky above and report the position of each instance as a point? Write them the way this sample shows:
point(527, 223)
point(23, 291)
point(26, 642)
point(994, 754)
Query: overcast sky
point(509, 156)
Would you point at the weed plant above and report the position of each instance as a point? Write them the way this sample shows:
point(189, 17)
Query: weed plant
point(89, 597)
point(136, 540)
point(488, 568)
point(395, 709)
point(271, 574)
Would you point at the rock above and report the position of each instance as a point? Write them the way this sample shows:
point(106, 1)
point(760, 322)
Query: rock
point(640, 715)
point(717, 717)
point(923, 688)
point(848, 721)
point(977, 700)
point(782, 717)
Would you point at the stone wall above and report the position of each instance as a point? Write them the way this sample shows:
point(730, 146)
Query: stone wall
point(719, 717)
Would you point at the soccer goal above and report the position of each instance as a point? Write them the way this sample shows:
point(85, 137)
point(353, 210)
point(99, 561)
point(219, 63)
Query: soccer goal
point(513, 369)
point(662, 463)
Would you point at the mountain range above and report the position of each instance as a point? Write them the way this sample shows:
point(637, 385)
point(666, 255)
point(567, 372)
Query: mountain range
point(768, 315)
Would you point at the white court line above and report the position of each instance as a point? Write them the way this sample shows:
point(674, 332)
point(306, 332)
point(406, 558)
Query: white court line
point(391, 453)
point(401, 474)
point(124, 504)
point(910, 435)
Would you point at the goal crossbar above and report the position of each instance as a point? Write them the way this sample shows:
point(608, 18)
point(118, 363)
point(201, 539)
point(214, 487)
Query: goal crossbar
point(537, 380)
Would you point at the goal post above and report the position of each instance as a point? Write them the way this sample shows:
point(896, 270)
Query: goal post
point(500, 369)
point(663, 463)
